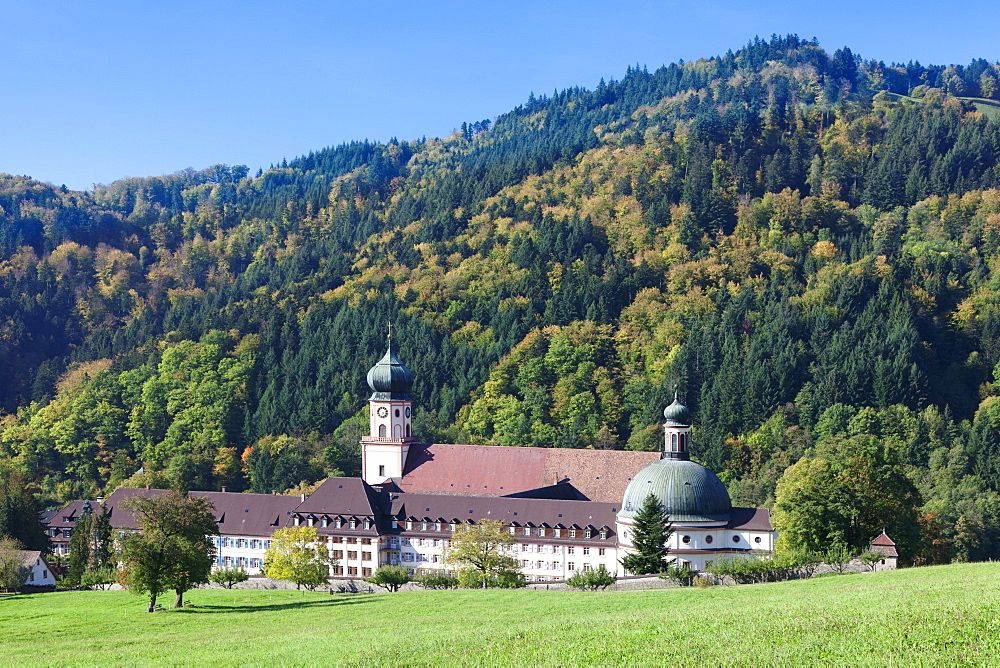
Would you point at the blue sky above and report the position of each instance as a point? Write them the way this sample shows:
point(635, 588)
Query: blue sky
point(97, 91)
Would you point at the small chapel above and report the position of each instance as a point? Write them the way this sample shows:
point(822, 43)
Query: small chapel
point(569, 509)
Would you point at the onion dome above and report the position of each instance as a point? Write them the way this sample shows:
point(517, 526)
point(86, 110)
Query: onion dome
point(687, 490)
point(677, 414)
point(390, 378)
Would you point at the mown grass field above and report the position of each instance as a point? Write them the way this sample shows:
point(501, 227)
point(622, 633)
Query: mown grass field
point(947, 615)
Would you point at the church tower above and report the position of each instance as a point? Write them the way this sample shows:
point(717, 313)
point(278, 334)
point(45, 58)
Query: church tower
point(390, 408)
point(676, 431)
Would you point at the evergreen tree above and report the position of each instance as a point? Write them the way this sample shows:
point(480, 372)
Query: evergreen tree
point(651, 530)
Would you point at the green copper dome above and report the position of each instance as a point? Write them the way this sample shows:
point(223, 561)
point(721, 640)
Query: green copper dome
point(677, 414)
point(688, 491)
point(390, 378)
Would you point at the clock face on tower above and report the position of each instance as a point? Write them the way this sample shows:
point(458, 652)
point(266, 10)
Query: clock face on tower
point(407, 411)
point(382, 411)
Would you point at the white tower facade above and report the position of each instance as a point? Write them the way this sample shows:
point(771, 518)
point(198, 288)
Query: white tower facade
point(390, 411)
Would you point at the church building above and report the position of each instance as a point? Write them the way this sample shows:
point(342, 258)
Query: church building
point(569, 509)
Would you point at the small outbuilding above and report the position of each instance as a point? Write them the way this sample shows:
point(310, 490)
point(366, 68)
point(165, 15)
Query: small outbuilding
point(887, 548)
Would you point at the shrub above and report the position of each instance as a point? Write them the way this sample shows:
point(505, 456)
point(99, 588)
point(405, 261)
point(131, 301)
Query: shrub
point(601, 578)
point(229, 576)
point(390, 578)
point(98, 578)
point(437, 581)
point(682, 575)
point(470, 578)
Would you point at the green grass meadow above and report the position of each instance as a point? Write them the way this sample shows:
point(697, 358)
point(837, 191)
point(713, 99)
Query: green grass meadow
point(947, 615)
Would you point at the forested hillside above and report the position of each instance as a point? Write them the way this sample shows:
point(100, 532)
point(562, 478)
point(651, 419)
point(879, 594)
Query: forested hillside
point(805, 244)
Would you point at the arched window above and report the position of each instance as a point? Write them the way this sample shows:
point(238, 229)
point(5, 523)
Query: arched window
point(407, 431)
point(397, 431)
point(381, 431)
point(673, 442)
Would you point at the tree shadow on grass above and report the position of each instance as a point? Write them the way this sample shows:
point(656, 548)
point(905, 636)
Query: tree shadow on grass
point(332, 602)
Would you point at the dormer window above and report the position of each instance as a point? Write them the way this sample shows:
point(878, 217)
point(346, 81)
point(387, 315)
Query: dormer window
point(354, 524)
point(368, 524)
point(527, 531)
point(604, 534)
point(423, 526)
point(557, 532)
point(588, 533)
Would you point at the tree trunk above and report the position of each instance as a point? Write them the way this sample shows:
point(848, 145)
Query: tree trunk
point(180, 599)
point(152, 604)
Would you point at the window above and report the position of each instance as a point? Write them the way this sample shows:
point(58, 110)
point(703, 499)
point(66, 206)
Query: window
point(338, 554)
point(586, 550)
point(366, 541)
point(397, 412)
point(756, 539)
point(352, 554)
point(709, 539)
point(241, 542)
point(557, 532)
point(586, 567)
point(435, 558)
point(600, 551)
point(541, 532)
point(338, 570)
point(512, 531)
point(540, 565)
point(570, 566)
point(366, 572)
point(524, 563)
point(366, 556)
point(572, 533)
point(527, 531)
point(381, 471)
point(423, 526)
point(736, 539)
point(381, 434)
point(338, 539)
point(685, 539)
point(556, 565)
point(254, 544)
point(338, 523)
point(604, 534)
point(588, 533)
point(256, 563)
point(524, 547)
point(241, 561)
point(354, 524)
point(352, 540)
point(228, 561)
point(310, 521)
point(570, 550)
point(267, 545)
point(437, 543)
point(352, 570)
point(326, 522)
point(409, 525)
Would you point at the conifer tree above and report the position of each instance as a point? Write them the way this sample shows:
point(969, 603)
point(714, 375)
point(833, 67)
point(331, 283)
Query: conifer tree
point(650, 532)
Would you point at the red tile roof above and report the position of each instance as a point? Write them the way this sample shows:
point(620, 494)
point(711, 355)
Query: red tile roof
point(553, 512)
point(599, 475)
point(884, 546)
point(750, 519)
point(238, 514)
point(343, 496)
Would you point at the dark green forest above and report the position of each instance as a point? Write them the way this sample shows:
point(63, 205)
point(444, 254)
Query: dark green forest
point(805, 244)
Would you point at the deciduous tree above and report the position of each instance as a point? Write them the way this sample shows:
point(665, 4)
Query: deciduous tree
point(483, 547)
point(172, 549)
point(299, 555)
